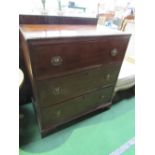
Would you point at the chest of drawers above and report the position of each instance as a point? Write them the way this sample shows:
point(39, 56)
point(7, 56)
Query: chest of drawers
point(73, 69)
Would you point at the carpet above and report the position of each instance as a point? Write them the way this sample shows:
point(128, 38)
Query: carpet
point(101, 134)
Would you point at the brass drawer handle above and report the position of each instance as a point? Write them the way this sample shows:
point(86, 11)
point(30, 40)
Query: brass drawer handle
point(58, 113)
point(108, 77)
point(102, 96)
point(56, 61)
point(57, 91)
point(114, 52)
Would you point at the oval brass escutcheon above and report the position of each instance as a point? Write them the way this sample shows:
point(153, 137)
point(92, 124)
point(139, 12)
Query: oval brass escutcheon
point(108, 76)
point(114, 52)
point(57, 91)
point(56, 61)
point(102, 96)
point(58, 113)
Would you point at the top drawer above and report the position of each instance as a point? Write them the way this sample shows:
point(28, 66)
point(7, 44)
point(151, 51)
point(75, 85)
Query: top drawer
point(53, 59)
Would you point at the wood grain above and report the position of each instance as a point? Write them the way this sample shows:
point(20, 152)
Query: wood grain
point(41, 31)
point(60, 113)
point(64, 88)
point(73, 69)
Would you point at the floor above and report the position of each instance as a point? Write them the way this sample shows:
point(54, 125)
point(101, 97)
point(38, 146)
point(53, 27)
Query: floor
point(106, 133)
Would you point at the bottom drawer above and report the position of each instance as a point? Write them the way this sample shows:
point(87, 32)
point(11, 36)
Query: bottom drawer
point(66, 111)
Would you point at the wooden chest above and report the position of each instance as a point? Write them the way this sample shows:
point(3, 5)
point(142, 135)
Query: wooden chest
point(73, 69)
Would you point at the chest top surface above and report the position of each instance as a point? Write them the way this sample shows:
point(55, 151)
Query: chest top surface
point(32, 32)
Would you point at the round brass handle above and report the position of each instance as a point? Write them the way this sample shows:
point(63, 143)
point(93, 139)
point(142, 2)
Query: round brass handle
point(102, 96)
point(58, 113)
point(108, 76)
point(114, 52)
point(57, 91)
point(56, 61)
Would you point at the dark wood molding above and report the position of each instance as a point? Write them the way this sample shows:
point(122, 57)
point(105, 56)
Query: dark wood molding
point(40, 19)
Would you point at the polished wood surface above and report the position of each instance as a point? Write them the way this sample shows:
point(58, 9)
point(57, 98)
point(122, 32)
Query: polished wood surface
point(64, 88)
point(49, 129)
point(65, 111)
point(26, 91)
point(76, 55)
point(43, 19)
point(60, 31)
point(73, 69)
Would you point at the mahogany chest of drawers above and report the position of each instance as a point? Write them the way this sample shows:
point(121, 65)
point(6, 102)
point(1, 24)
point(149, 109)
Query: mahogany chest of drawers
point(73, 69)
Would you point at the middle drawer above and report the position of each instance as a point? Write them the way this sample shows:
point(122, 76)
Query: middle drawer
point(56, 90)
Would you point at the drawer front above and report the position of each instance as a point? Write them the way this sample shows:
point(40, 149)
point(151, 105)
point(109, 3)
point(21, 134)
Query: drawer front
point(55, 59)
point(68, 110)
point(63, 88)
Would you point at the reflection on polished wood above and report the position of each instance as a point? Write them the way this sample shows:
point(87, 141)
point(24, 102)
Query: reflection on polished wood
point(73, 69)
point(21, 78)
point(58, 31)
